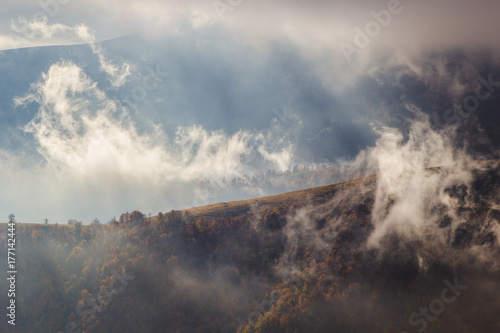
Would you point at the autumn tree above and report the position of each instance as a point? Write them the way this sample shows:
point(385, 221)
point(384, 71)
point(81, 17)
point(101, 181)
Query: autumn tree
point(136, 217)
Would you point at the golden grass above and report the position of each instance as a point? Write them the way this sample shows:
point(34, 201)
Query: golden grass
point(315, 195)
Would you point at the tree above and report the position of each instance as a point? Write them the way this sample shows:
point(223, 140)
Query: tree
point(113, 221)
point(72, 222)
point(12, 218)
point(45, 221)
point(78, 229)
point(136, 217)
point(275, 220)
point(36, 233)
point(125, 218)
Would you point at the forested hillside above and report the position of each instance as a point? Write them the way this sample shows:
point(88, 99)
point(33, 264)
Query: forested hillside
point(299, 262)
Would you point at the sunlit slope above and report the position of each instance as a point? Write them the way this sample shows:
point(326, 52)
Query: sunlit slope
point(315, 196)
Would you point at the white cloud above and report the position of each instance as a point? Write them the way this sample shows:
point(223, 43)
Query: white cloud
point(36, 31)
point(407, 187)
point(78, 128)
point(91, 150)
point(37, 28)
point(40, 30)
point(118, 74)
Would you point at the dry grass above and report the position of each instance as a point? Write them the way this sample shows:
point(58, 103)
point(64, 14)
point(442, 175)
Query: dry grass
point(315, 195)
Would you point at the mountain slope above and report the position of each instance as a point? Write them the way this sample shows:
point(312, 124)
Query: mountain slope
point(350, 257)
point(314, 196)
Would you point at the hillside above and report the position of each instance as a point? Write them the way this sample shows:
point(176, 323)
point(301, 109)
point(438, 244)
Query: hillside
point(349, 257)
point(315, 196)
point(250, 166)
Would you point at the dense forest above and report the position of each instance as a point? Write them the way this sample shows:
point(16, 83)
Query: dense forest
point(296, 263)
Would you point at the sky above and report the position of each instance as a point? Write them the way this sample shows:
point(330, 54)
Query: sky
point(111, 106)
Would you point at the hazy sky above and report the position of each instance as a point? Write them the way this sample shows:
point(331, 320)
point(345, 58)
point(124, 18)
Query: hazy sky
point(233, 87)
point(315, 26)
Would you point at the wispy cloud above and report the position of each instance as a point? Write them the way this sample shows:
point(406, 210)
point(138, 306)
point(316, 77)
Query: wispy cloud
point(86, 138)
point(38, 28)
point(407, 188)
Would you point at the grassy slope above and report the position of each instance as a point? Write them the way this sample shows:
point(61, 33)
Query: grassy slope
point(315, 195)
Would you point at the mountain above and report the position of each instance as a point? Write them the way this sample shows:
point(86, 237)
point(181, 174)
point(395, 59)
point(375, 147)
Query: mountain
point(348, 257)
point(206, 109)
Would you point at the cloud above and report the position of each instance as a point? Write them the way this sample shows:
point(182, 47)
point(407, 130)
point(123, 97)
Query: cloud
point(407, 187)
point(39, 29)
point(430, 196)
point(91, 147)
point(85, 135)
point(117, 74)
point(36, 31)
point(423, 201)
point(318, 26)
point(316, 29)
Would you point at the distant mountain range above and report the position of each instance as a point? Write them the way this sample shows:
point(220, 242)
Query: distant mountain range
point(201, 84)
